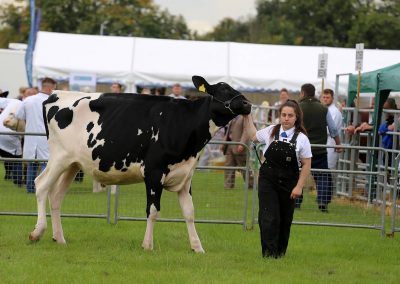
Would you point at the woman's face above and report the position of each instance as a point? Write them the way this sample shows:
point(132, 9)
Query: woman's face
point(288, 117)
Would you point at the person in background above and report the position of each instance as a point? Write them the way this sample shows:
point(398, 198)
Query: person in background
point(390, 103)
point(235, 154)
point(21, 92)
point(29, 92)
point(177, 92)
point(10, 145)
point(159, 91)
point(327, 100)
point(116, 88)
point(261, 115)
point(316, 118)
point(145, 91)
point(283, 97)
point(35, 147)
point(280, 182)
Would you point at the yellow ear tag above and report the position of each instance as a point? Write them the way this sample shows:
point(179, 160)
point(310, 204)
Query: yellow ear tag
point(202, 89)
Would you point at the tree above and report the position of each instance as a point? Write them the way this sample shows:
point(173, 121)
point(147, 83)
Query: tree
point(229, 30)
point(116, 17)
point(378, 28)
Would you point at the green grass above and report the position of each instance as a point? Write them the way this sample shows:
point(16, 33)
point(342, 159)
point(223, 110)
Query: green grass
point(98, 252)
point(101, 253)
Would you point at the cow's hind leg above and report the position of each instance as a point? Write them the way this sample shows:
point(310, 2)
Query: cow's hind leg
point(44, 183)
point(56, 197)
point(185, 200)
point(153, 193)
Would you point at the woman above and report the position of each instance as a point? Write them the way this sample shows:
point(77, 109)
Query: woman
point(280, 181)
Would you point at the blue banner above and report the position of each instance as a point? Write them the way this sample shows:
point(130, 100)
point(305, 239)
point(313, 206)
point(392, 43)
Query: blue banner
point(35, 24)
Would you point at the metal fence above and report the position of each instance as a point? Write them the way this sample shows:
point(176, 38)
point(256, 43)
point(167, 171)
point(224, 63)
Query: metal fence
point(361, 198)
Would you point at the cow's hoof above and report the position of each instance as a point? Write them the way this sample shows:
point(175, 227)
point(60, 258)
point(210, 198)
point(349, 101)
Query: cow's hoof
point(59, 241)
point(147, 247)
point(198, 250)
point(33, 238)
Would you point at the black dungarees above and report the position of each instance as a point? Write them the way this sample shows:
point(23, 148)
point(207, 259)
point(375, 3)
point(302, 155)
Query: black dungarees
point(278, 176)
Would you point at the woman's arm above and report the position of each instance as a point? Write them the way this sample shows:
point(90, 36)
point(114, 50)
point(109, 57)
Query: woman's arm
point(249, 128)
point(305, 171)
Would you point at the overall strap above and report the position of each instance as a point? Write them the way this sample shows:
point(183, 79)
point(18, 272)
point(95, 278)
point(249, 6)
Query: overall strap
point(294, 138)
point(277, 133)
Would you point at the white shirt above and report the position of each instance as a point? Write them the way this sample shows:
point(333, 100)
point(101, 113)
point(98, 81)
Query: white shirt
point(337, 119)
point(31, 111)
point(180, 97)
point(9, 143)
point(303, 146)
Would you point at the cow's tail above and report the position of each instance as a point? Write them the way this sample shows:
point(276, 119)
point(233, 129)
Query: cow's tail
point(51, 99)
point(45, 118)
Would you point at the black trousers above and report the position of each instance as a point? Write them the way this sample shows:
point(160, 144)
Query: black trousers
point(13, 170)
point(275, 215)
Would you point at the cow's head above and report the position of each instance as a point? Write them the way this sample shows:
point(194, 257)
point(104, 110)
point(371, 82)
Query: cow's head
point(227, 103)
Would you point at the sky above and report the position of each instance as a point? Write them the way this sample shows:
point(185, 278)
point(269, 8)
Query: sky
point(203, 15)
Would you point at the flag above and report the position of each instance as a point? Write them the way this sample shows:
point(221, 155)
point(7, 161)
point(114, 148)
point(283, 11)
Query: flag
point(35, 23)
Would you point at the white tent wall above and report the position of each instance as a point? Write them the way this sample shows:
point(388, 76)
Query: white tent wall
point(147, 61)
point(272, 67)
point(57, 55)
point(12, 71)
point(166, 62)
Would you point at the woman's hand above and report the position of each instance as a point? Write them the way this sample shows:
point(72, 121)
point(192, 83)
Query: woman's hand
point(296, 192)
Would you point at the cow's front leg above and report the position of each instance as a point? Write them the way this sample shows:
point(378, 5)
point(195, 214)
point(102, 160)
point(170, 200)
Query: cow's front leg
point(185, 200)
point(153, 193)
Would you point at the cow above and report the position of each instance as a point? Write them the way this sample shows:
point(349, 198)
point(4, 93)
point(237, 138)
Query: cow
point(130, 138)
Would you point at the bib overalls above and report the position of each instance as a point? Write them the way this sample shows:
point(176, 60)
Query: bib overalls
point(278, 176)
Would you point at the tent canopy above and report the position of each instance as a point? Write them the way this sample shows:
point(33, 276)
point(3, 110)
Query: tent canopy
point(375, 81)
point(145, 61)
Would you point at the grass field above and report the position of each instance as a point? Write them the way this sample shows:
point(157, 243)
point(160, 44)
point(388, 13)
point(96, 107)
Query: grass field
point(97, 252)
point(101, 253)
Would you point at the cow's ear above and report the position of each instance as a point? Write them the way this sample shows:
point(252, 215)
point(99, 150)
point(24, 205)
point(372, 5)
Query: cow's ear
point(201, 84)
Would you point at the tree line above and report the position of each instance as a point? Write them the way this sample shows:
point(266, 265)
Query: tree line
point(335, 23)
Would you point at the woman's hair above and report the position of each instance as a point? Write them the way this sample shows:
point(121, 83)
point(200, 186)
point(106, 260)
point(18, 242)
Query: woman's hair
point(299, 127)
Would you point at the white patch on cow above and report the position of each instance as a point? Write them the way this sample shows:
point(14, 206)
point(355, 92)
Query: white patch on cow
point(162, 179)
point(153, 209)
point(133, 174)
point(160, 113)
point(179, 174)
point(152, 192)
point(154, 136)
point(212, 128)
point(139, 132)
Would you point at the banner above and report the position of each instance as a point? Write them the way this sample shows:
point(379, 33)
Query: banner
point(82, 82)
point(35, 24)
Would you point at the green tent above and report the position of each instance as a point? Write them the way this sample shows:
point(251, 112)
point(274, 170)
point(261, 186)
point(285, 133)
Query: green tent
point(373, 82)
point(381, 82)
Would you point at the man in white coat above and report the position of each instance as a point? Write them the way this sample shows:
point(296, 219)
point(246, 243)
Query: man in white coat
point(10, 145)
point(327, 100)
point(35, 147)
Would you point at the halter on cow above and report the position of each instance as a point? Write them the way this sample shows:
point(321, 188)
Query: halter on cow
point(129, 138)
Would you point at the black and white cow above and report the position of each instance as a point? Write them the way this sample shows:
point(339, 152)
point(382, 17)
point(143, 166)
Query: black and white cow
point(128, 138)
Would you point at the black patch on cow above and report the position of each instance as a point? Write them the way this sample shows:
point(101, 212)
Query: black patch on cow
point(77, 102)
point(64, 117)
point(52, 111)
point(170, 130)
point(52, 99)
point(89, 127)
point(91, 142)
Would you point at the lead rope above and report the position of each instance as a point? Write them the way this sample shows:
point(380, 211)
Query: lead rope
point(255, 150)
